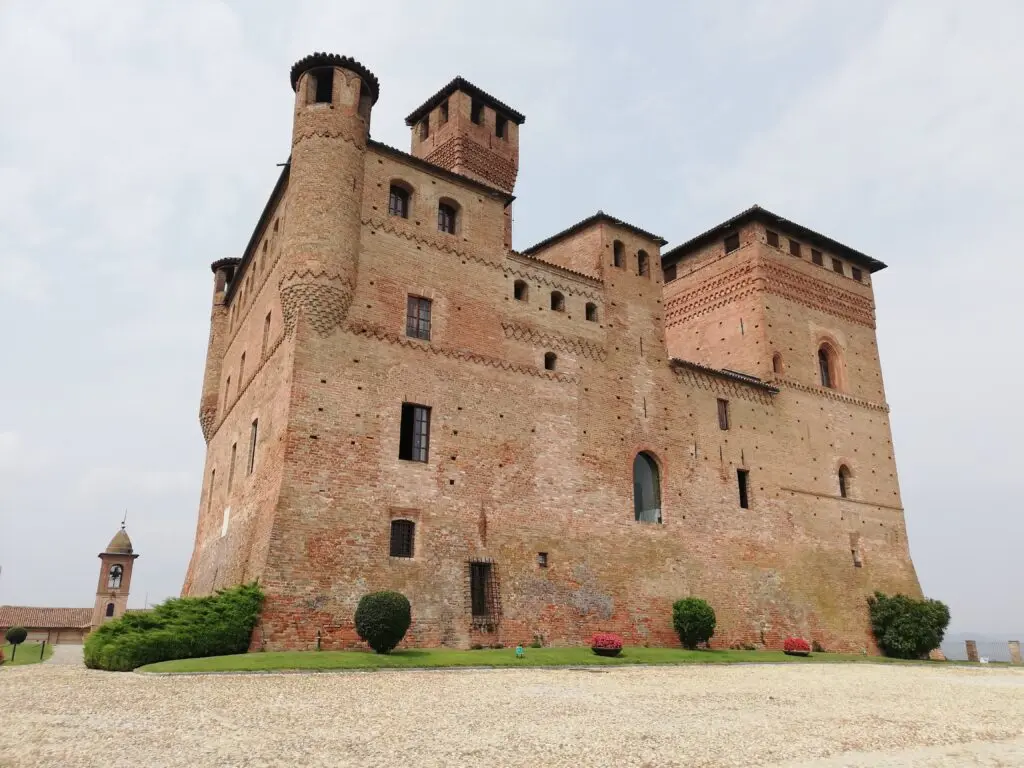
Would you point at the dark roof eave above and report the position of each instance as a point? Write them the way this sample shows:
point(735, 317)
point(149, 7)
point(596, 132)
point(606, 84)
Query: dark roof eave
point(315, 60)
point(460, 83)
point(506, 197)
point(580, 225)
point(752, 381)
point(261, 224)
point(757, 213)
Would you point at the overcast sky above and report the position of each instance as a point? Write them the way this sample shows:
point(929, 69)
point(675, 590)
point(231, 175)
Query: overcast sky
point(139, 142)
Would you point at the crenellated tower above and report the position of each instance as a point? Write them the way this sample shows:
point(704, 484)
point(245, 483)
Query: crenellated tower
point(320, 253)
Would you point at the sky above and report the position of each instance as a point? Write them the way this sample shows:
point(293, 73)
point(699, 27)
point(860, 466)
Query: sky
point(139, 141)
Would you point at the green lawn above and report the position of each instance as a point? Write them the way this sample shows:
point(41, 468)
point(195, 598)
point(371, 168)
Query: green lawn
point(504, 657)
point(28, 653)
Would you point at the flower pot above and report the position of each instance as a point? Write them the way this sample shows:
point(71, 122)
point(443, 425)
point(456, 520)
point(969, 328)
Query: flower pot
point(607, 651)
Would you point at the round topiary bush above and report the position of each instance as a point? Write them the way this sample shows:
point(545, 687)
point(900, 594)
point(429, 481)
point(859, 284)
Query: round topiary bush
point(382, 619)
point(16, 635)
point(905, 627)
point(693, 620)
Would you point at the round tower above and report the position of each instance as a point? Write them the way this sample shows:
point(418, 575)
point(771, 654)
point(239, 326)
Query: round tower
point(333, 99)
point(223, 274)
point(116, 563)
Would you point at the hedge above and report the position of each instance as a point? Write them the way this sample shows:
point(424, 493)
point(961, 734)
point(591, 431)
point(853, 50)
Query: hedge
point(179, 628)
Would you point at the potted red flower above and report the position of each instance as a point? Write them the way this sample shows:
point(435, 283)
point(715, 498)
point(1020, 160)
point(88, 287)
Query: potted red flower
point(606, 644)
point(796, 646)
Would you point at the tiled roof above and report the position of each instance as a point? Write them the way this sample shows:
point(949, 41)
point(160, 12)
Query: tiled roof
point(742, 378)
point(461, 84)
point(44, 618)
point(599, 216)
point(757, 213)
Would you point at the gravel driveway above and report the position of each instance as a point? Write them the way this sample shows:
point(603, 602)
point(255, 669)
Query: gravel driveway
point(779, 715)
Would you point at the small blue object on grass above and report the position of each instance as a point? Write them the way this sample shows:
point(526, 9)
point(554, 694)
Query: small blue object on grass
point(519, 651)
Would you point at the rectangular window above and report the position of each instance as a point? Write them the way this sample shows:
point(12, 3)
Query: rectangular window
point(252, 446)
point(417, 318)
point(837, 266)
point(444, 112)
point(794, 248)
point(266, 335)
point(670, 273)
point(231, 468)
point(817, 258)
point(403, 536)
point(241, 372)
point(772, 238)
point(732, 242)
point(414, 439)
point(857, 274)
point(500, 126)
point(542, 559)
point(323, 82)
point(483, 592)
point(741, 478)
point(476, 112)
point(723, 414)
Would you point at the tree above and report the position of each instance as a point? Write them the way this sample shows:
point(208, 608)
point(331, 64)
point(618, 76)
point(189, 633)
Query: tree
point(694, 621)
point(15, 636)
point(382, 619)
point(905, 627)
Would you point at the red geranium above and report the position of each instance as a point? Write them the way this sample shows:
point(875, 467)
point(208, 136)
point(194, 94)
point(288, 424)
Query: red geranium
point(796, 644)
point(606, 641)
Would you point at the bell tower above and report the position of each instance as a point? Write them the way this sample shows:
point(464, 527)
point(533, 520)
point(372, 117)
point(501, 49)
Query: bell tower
point(116, 563)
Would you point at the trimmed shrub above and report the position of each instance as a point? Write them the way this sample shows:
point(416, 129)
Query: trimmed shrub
point(16, 635)
point(694, 621)
point(797, 646)
point(907, 628)
point(382, 619)
point(179, 628)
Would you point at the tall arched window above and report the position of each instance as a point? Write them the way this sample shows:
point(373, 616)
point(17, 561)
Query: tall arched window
point(618, 253)
point(557, 301)
point(643, 263)
point(844, 481)
point(828, 366)
point(398, 201)
point(777, 363)
point(646, 489)
point(110, 609)
point(521, 291)
point(114, 578)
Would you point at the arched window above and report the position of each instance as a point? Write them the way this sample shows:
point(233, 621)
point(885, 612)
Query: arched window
point(398, 201)
point(618, 253)
point(403, 538)
point(592, 312)
point(521, 291)
point(114, 578)
point(643, 264)
point(557, 301)
point(777, 363)
point(844, 481)
point(110, 609)
point(828, 366)
point(446, 218)
point(550, 358)
point(646, 489)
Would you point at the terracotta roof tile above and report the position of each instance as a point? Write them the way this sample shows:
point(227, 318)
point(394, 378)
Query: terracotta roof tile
point(44, 618)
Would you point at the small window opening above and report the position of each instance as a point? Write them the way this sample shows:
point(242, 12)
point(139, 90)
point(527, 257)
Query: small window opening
point(365, 102)
point(669, 272)
point(777, 363)
point(837, 266)
point(557, 301)
point(794, 247)
point(618, 253)
point(417, 318)
point(723, 414)
point(253, 431)
point(110, 610)
point(414, 438)
point(483, 592)
point(266, 335)
point(500, 126)
point(425, 128)
point(550, 358)
point(476, 112)
point(643, 266)
point(114, 578)
point(231, 468)
point(443, 112)
point(403, 538)
point(844, 481)
point(732, 242)
point(857, 274)
point(209, 492)
point(241, 371)
point(542, 559)
point(227, 392)
point(398, 202)
point(772, 238)
point(826, 367)
point(446, 218)
point(817, 258)
point(520, 291)
point(741, 479)
point(324, 85)
point(591, 312)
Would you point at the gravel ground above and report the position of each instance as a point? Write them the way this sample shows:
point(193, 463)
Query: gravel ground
point(767, 715)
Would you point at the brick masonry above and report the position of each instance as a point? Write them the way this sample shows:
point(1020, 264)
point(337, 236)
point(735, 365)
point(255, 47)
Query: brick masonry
point(525, 460)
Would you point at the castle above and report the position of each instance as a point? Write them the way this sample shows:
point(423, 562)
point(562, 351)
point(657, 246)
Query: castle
point(550, 442)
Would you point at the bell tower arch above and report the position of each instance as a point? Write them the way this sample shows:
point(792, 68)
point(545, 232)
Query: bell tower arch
point(115, 579)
